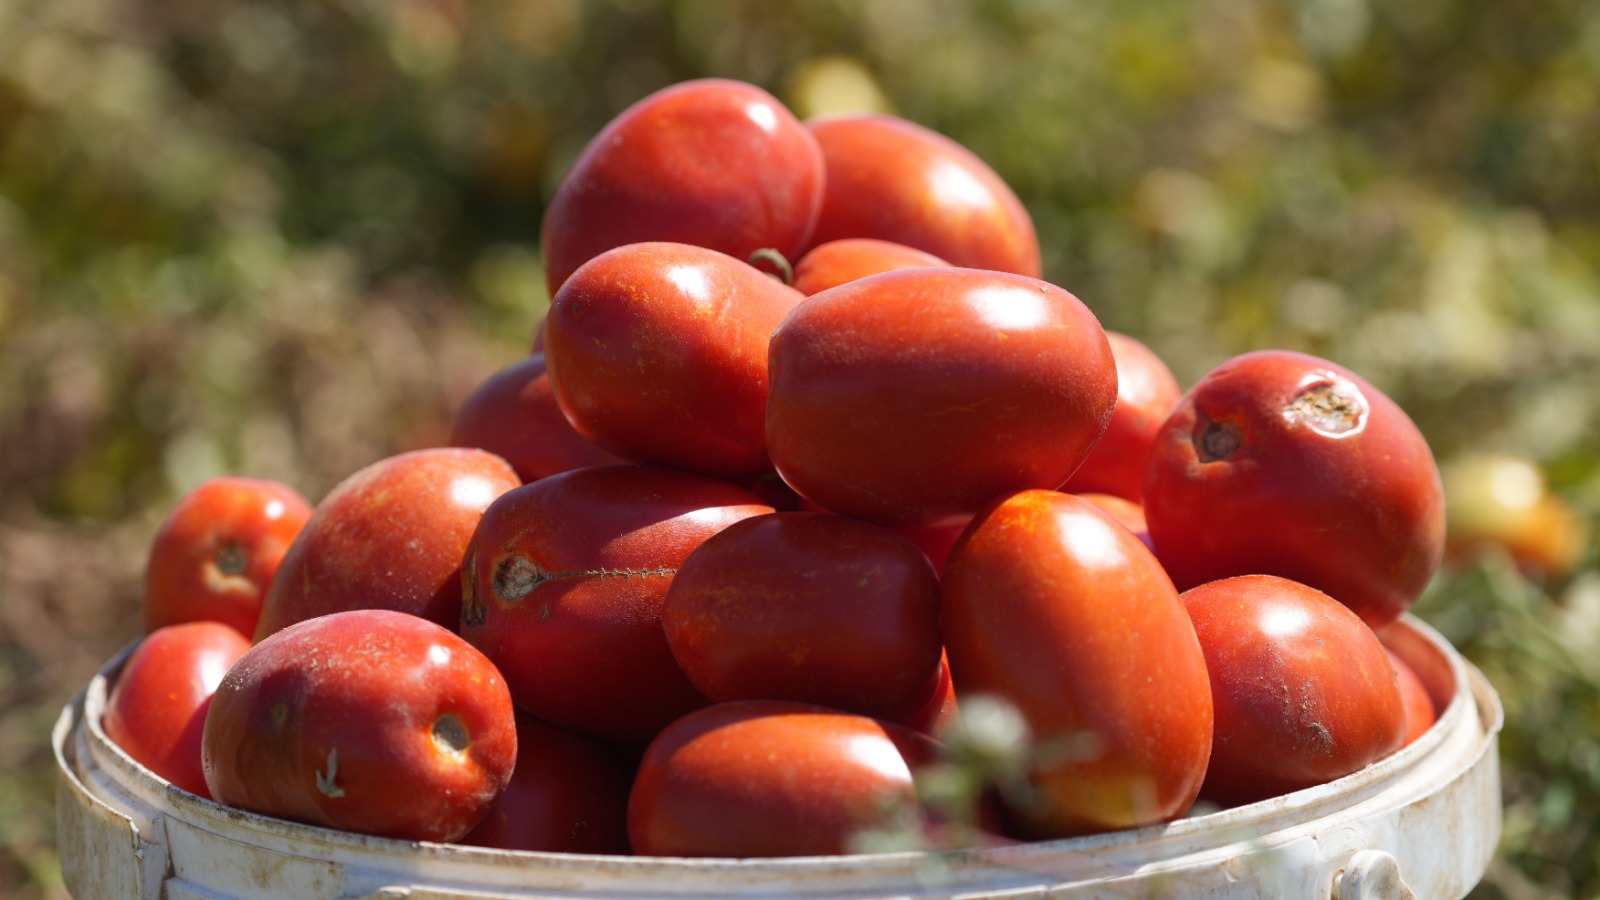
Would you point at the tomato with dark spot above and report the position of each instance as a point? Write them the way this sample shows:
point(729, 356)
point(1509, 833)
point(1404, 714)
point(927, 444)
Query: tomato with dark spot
point(852, 259)
point(1146, 393)
point(514, 415)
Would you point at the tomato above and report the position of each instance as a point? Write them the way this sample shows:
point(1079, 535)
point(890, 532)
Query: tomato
point(1501, 501)
point(565, 580)
point(566, 795)
point(938, 713)
point(1127, 513)
point(915, 397)
point(370, 720)
point(1146, 392)
point(1419, 712)
point(391, 536)
point(1051, 606)
point(714, 163)
point(1279, 463)
point(895, 180)
point(1304, 691)
point(851, 259)
point(514, 414)
point(215, 555)
point(157, 709)
point(658, 352)
point(808, 607)
point(763, 778)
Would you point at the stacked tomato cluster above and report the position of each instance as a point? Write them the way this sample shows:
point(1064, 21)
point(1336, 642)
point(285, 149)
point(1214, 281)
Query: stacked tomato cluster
point(709, 570)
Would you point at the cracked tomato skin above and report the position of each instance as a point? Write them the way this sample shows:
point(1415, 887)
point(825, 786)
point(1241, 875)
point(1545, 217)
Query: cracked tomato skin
point(852, 259)
point(1304, 691)
point(1146, 392)
point(898, 181)
point(564, 585)
point(1280, 463)
point(1053, 607)
point(371, 721)
point(715, 163)
point(390, 536)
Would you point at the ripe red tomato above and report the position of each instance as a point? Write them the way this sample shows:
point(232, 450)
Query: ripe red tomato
point(564, 582)
point(1050, 605)
point(895, 180)
point(514, 414)
point(1146, 393)
point(1419, 711)
point(391, 536)
point(807, 607)
point(851, 259)
point(1279, 463)
point(371, 720)
point(938, 713)
point(215, 555)
point(1127, 513)
point(714, 163)
point(763, 778)
point(157, 709)
point(566, 795)
point(915, 397)
point(658, 352)
point(1303, 690)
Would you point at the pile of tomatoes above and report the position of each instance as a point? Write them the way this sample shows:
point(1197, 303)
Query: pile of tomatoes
point(716, 569)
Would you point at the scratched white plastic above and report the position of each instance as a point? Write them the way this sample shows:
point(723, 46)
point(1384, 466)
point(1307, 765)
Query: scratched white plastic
point(1423, 823)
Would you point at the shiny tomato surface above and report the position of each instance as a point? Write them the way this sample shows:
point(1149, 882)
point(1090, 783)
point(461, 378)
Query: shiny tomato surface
point(371, 720)
point(1053, 607)
point(514, 415)
point(1279, 463)
point(565, 581)
point(216, 553)
point(1146, 392)
point(1304, 691)
point(898, 181)
point(391, 536)
point(916, 397)
point(157, 709)
point(851, 259)
point(714, 163)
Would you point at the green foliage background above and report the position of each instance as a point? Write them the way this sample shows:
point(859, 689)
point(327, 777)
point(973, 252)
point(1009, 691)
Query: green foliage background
point(284, 239)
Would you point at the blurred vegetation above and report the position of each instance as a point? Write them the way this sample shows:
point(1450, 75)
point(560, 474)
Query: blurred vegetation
point(285, 239)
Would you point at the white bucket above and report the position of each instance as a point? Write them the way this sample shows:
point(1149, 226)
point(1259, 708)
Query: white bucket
point(1423, 823)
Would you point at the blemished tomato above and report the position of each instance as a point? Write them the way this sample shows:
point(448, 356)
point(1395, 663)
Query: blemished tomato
point(1146, 392)
point(216, 553)
point(658, 353)
point(852, 259)
point(1419, 711)
point(915, 397)
point(1303, 690)
point(565, 581)
point(157, 710)
point(566, 795)
point(764, 778)
point(514, 415)
point(391, 536)
point(1280, 463)
point(809, 607)
point(371, 720)
point(714, 163)
point(1051, 606)
point(895, 180)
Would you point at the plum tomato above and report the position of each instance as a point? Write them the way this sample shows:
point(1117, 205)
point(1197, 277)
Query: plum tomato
point(851, 259)
point(895, 180)
point(371, 720)
point(1303, 690)
point(714, 163)
point(1127, 513)
point(564, 583)
point(915, 397)
point(514, 414)
point(1051, 606)
point(1280, 463)
point(658, 353)
point(215, 554)
point(157, 710)
point(766, 778)
point(1419, 712)
point(566, 795)
point(391, 536)
point(809, 607)
point(938, 713)
point(1146, 392)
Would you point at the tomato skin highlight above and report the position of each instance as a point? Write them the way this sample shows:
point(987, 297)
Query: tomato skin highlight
point(1304, 691)
point(1279, 463)
point(1049, 604)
